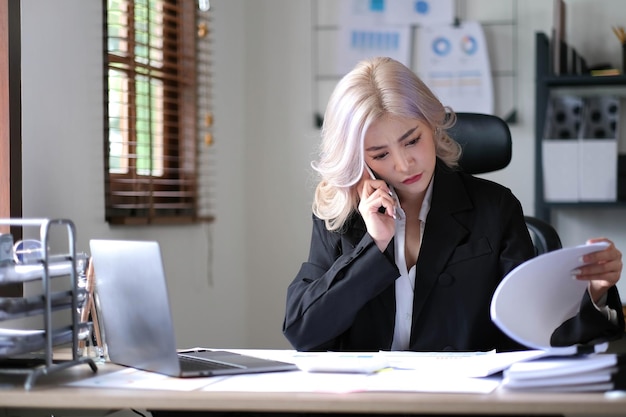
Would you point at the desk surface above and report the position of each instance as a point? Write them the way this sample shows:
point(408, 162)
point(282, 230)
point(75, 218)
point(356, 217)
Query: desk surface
point(48, 393)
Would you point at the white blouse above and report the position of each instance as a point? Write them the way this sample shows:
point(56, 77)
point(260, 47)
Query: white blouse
point(405, 284)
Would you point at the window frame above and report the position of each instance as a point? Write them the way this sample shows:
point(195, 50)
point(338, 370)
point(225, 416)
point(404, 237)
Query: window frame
point(172, 197)
point(11, 126)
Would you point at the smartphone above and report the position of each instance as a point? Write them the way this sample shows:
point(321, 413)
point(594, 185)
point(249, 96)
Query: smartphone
point(369, 171)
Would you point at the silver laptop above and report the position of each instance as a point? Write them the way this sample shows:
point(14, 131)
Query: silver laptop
point(135, 315)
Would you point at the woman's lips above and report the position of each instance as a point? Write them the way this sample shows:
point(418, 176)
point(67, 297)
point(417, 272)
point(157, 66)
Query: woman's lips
point(412, 179)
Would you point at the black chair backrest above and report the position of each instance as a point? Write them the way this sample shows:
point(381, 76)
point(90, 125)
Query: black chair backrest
point(486, 142)
point(545, 237)
point(487, 147)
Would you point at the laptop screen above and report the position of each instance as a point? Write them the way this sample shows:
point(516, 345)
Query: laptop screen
point(134, 309)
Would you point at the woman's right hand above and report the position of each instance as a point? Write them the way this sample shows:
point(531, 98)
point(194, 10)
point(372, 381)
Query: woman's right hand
point(377, 207)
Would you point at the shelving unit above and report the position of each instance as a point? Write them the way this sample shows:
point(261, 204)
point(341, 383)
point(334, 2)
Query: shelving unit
point(29, 352)
point(583, 85)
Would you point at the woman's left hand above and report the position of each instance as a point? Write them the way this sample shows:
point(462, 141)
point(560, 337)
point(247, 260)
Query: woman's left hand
point(602, 269)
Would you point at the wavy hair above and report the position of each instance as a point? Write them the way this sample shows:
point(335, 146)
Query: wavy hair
point(374, 87)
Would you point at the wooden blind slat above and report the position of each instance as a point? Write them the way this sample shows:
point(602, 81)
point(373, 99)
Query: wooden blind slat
point(153, 102)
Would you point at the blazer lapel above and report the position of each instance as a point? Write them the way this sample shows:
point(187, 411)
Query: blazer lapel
point(442, 233)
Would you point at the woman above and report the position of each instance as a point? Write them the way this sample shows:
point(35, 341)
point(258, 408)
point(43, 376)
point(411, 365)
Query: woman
point(406, 249)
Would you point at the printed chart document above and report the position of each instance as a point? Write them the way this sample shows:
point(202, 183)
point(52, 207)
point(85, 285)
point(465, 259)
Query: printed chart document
point(454, 62)
point(384, 28)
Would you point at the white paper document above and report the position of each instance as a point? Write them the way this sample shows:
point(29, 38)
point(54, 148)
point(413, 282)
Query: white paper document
point(340, 362)
point(535, 298)
point(400, 371)
point(459, 364)
point(594, 372)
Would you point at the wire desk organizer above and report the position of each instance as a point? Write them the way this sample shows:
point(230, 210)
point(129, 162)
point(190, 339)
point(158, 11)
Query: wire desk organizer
point(30, 352)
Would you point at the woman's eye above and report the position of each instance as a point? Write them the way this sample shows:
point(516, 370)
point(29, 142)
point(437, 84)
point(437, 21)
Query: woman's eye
point(380, 156)
point(413, 141)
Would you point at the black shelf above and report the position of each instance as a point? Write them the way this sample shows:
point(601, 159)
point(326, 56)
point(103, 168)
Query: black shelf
point(582, 80)
point(587, 204)
point(546, 83)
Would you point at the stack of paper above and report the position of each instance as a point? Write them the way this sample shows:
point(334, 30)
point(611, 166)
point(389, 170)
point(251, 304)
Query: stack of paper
point(595, 372)
point(564, 368)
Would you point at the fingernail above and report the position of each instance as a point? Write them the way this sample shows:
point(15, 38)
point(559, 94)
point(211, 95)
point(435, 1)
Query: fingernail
point(575, 273)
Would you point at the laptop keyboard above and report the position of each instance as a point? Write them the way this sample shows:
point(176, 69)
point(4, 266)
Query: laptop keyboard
point(190, 364)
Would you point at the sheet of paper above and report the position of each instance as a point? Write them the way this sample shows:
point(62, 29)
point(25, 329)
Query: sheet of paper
point(464, 364)
point(357, 42)
point(595, 372)
point(389, 380)
point(454, 62)
point(341, 362)
point(556, 367)
point(461, 364)
point(545, 290)
point(418, 381)
point(298, 381)
point(368, 29)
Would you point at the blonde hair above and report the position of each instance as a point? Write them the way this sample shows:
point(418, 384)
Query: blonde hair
point(372, 89)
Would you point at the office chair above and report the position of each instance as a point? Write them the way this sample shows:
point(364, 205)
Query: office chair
point(486, 143)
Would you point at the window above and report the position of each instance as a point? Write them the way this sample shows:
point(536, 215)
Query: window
point(156, 66)
point(10, 125)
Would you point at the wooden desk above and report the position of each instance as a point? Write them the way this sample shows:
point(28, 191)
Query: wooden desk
point(48, 394)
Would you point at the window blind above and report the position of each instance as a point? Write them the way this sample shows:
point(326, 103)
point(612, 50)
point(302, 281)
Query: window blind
point(157, 81)
point(206, 149)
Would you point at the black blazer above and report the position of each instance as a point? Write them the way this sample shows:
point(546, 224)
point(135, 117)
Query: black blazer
point(343, 297)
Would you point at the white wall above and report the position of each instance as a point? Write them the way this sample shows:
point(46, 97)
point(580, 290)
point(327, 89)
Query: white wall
point(63, 162)
point(229, 279)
